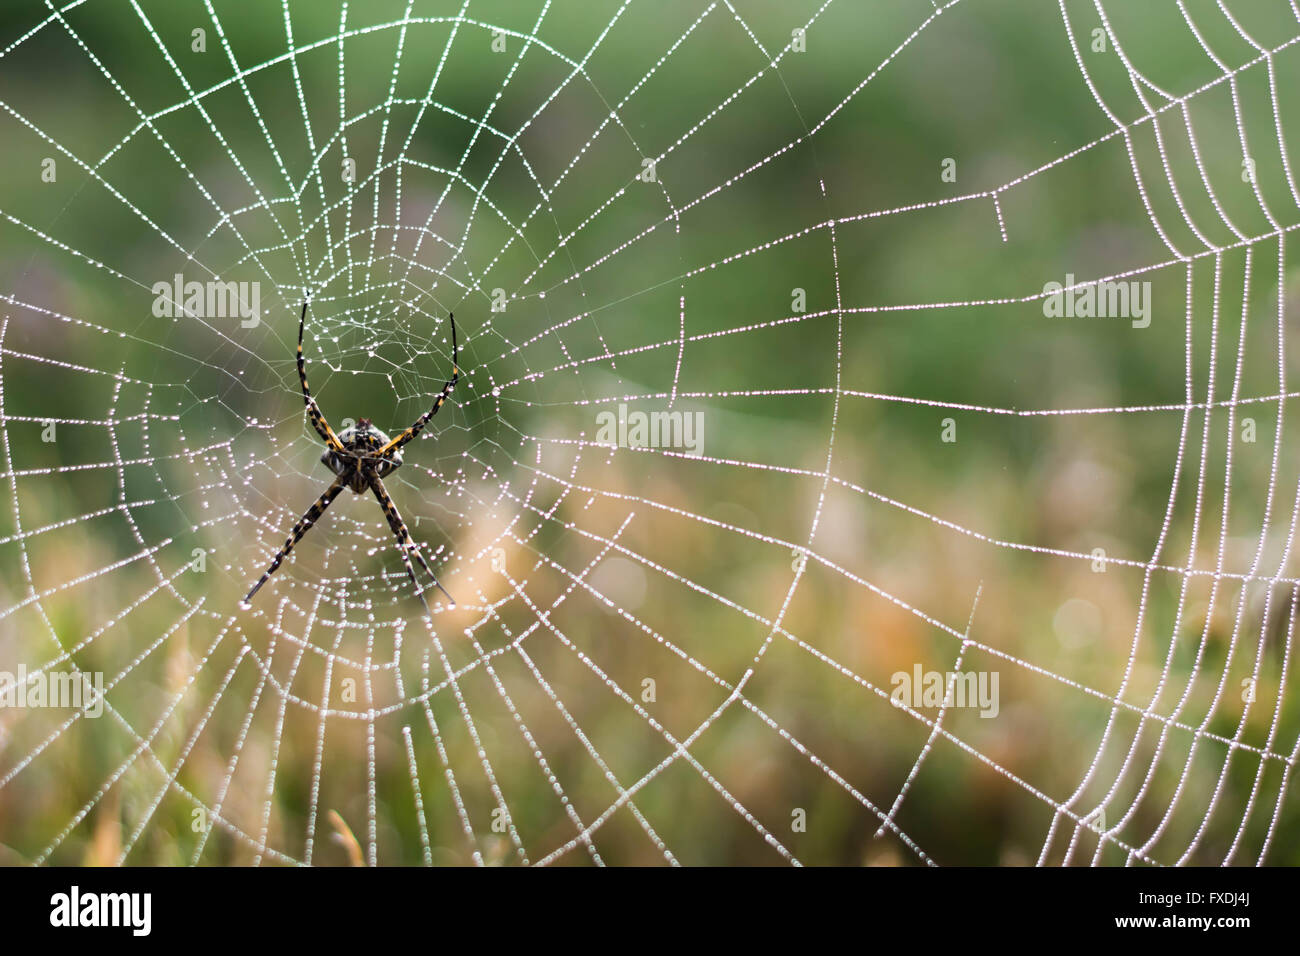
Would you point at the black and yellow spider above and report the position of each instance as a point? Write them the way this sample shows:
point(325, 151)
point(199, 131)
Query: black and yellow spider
point(360, 456)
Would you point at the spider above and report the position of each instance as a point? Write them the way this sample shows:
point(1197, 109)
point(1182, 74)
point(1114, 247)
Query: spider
point(360, 457)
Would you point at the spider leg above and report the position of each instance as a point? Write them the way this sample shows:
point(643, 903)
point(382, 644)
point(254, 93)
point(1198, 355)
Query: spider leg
point(318, 421)
point(423, 420)
point(301, 528)
point(404, 542)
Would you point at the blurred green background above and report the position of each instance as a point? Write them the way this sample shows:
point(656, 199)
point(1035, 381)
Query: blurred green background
point(640, 668)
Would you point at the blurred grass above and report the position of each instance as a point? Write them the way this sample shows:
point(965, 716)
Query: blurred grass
point(994, 86)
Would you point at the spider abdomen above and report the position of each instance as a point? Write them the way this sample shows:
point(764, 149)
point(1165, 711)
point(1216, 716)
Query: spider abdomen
point(361, 457)
point(363, 435)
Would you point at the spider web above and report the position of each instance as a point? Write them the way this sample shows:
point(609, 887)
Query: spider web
point(658, 654)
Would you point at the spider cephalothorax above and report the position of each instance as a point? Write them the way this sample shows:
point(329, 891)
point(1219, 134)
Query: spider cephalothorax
point(360, 456)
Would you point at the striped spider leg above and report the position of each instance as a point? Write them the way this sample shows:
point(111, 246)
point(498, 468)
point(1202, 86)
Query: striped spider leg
point(404, 542)
point(318, 421)
point(301, 528)
point(423, 420)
